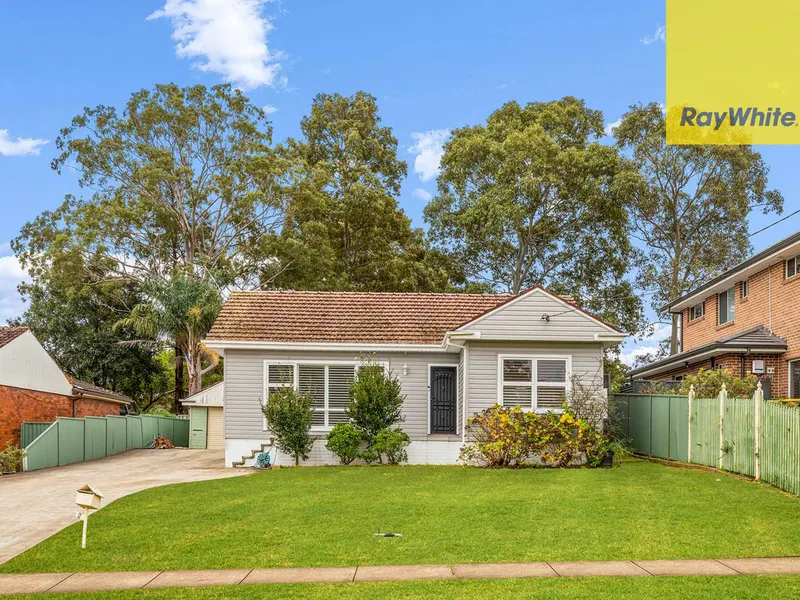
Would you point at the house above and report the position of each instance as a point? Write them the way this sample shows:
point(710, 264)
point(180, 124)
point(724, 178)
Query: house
point(34, 388)
point(454, 354)
point(205, 417)
point(746, 321)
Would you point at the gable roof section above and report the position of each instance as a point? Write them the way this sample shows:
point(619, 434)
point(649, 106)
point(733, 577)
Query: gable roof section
point(755, 339)
point(352, 317)
point(9, 334)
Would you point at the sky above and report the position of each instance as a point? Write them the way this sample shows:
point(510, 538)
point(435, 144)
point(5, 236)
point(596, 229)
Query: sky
point(433, 66)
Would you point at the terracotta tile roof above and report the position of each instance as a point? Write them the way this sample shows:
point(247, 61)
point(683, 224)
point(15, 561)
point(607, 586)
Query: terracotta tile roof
point(8, 334)
point(89, 389)
point(347, 317)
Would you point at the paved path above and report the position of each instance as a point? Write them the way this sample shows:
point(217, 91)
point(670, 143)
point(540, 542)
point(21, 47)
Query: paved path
point(35, 505)
point(87, 582)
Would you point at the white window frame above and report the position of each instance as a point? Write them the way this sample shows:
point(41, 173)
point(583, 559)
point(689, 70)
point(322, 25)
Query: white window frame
point(745, 288)
point(693, 316)
point(430, 389)
point(296, 383)
point(534, 384)
point(729, 306)
point(793, 260)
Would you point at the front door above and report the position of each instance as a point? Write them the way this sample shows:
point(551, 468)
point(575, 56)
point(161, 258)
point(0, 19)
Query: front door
point(443, 399)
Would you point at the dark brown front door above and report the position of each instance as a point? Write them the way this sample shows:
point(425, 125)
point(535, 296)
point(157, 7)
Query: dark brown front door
point(443, 399)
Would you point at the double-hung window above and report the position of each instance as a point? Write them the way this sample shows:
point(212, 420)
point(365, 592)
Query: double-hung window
point(726, 305)
point(533, 382)
point(793, 267)
point(326, 383)
point(697, 311)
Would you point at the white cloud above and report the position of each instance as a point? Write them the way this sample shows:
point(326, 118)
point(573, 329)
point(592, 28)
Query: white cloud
point(422, 194)
point(611, 126)
point(11, 275)
point(228, 37)
point(628, 356)
point(269, 109)
point(428, 148)
point(20, 146)
point(660, 35)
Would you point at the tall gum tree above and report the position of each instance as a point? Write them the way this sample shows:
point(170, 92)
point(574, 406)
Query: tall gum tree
point(530, 198)
point(689, 206)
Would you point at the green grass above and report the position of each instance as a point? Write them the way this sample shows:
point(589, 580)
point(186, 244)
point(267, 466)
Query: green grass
point(326, 516)
point(653, 588)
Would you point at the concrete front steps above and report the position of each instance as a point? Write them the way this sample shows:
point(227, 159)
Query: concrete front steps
point(249, 462)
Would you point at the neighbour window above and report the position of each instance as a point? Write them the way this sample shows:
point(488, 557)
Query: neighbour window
point(697, 311)
point(792, 267)
point(533, 383)
point(745, 288)
point(726, 305)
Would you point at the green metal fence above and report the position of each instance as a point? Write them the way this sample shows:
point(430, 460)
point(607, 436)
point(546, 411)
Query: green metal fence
point(30, 431)
point(743, 435)
point(70, 440)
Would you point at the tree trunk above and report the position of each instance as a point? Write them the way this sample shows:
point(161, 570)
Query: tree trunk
point(178, 378)
point(195, 373)
point(674, 342)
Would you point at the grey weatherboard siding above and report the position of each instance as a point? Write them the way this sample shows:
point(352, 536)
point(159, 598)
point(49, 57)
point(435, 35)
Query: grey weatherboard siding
point(244, 374)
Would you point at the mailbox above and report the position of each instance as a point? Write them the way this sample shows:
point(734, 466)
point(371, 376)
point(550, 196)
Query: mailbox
point(88, 497)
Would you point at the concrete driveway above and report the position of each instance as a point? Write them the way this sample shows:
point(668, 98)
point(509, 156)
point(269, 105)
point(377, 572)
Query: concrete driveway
point(35, 505)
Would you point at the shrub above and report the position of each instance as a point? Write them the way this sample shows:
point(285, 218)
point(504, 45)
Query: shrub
point(708, 383)
point(344, 441)
point(289, 418)
point(392, 443)
point(501, 437)
point(11, 458)
point(509, 436)
point(375, 401)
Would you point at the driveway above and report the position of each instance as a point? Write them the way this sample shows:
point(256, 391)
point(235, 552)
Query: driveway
point(35, 505)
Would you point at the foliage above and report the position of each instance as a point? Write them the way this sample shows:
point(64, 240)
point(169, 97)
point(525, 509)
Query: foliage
point(392, 443)
point(508, 437)
point(182, 309)
point(689, 205)
point(531, 198)
point(708, 383)
point(73, 317)
point(344, 229)
point(376, 400)
point(344, 440)
point(615, 369)
point(11, 458)
point(288, 415)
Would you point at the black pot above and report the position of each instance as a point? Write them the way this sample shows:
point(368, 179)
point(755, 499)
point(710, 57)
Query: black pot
point(608, 460)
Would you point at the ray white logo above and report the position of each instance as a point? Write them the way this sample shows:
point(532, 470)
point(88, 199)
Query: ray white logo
point(737, 117)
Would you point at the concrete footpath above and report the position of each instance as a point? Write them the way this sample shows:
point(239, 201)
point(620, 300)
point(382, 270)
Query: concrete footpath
point(38, 583)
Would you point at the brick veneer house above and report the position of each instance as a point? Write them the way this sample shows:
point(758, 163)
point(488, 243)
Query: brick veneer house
point(34, 388)
point(746, 321)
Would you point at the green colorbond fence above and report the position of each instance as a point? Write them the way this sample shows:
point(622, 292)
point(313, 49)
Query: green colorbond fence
point(70, 440)
point(30, 431)
point(661, 426)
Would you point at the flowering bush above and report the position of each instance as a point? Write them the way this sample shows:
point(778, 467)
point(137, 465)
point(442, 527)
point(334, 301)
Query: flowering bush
point(509, 437)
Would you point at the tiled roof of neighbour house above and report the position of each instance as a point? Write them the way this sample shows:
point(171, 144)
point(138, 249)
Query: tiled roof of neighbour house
point(95, 391)
point(348, 317)
point(351, 317)
point(8, 334)
point(756, 339)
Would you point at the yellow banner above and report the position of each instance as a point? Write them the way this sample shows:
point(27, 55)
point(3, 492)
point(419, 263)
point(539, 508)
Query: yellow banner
point(732, 72)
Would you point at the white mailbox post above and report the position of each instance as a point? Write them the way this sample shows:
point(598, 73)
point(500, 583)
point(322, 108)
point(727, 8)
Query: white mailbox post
point(88, 498)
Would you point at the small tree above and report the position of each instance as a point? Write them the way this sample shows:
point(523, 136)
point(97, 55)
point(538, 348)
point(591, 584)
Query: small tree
point(344, 441)
point(289, 418)
point(708, 383)
point(375, 400)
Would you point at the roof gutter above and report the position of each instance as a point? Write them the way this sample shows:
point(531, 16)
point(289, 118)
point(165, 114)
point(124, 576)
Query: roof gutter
point(321, 346)
point(90, 396)
point(670, 365)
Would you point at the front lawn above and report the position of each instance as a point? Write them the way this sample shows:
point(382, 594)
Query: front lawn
point(327, 516)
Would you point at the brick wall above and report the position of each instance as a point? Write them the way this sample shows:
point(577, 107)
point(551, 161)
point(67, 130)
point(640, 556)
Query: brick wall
point(18, 405)
point(771, 299)
point(733, 365)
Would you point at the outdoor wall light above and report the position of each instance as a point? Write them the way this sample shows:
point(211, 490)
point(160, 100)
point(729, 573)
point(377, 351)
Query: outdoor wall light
point(405, 369)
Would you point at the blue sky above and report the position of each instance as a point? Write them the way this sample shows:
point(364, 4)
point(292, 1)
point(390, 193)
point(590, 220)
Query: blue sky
point(432, 65)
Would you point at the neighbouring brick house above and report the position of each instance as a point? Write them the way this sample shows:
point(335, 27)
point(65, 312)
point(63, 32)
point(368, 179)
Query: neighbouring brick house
point(34, 388)
point(746, 321)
